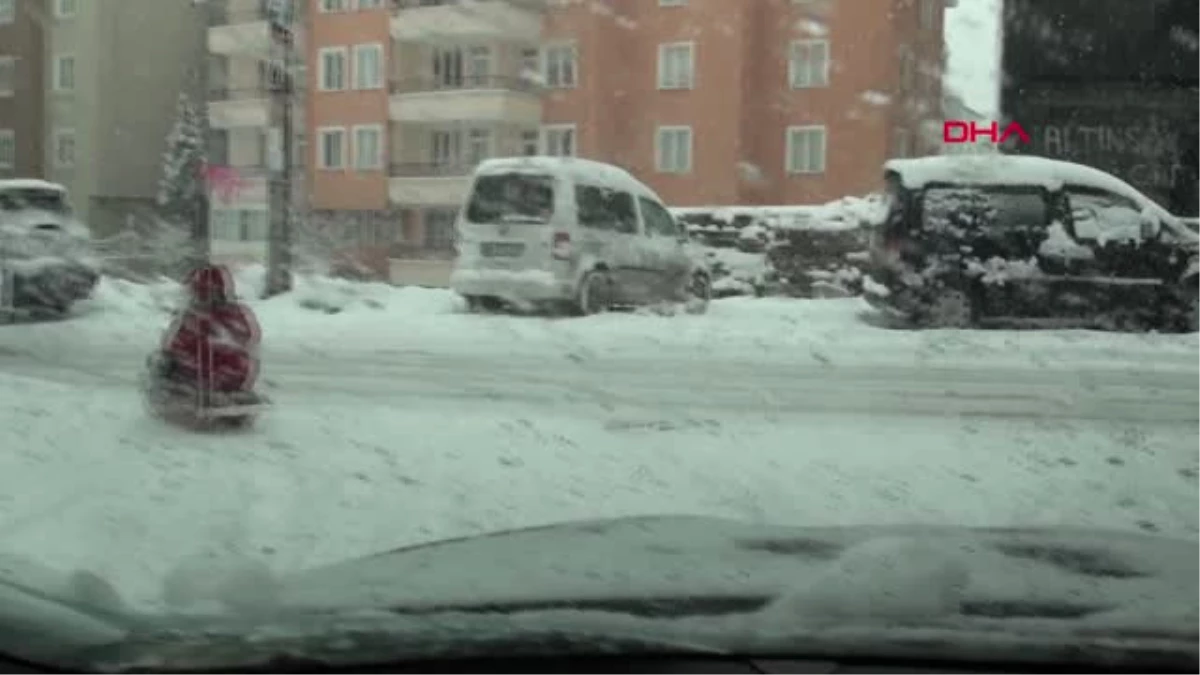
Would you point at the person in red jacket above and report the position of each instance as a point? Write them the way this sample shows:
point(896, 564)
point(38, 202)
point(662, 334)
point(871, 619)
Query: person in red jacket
point(212, 346)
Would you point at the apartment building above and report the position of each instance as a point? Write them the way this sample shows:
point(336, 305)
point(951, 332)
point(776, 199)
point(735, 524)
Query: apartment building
point(22, 81)
point(242, 111)
point(115, 72)
point(709, 101)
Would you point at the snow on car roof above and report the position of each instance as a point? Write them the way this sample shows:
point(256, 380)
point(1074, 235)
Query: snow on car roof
point(30, 184)
point(577, 168)
point(1052, 174)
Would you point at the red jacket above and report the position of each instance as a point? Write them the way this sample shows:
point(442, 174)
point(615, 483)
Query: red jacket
point(217, 344)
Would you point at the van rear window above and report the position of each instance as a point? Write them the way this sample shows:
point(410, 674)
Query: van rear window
point(512, 198)
point(33, 198)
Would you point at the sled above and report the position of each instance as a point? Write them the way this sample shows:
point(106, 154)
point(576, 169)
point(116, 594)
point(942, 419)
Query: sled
point(181, 404)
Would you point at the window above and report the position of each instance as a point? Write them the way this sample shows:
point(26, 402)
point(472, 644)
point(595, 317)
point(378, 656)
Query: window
point(65, 9)
point(675, 69)
point(561, 71)
point(985, 208)
point(659, 221)
point(332, 148)
point(479, 145)
point(530, 59)
point(334, 5)
point(8, 75)
point(370, 4)
point(333, 69)
point(8, 149)
point(8, 11)
point(901, 143)
point(252, 225)
point(908, 70)
point(673, 147)
point(529, 142)
point(64, 72)
point(558, 140)
point(511, 197)
point(368, 66)
point(929, 13)
point(64, 148)
point(439, 229)
point(672, 3)
point(479, 66)
point(605, 209)
point(368, 147)
point(806, 149)
point(808, 65)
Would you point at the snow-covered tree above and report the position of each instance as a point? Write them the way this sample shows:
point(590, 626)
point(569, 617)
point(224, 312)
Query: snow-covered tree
point(182, 182)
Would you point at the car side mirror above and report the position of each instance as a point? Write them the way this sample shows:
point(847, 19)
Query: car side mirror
point(1151, 227)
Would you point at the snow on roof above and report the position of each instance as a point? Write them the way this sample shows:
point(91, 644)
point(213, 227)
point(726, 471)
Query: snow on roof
point(30, 184)
point(847, 213)
point(576, 168)
point(998, 169)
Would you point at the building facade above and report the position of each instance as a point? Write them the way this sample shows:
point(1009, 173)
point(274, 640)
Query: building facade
point(711, 102)
point(1115, 86)
point(115, 71)
point(22, 81)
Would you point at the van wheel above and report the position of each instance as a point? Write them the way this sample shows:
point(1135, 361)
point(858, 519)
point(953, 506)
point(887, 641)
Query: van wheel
point(699, 294)
point(951, 308)
point(595, 294)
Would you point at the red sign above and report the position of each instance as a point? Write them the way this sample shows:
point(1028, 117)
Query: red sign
point(964, 131)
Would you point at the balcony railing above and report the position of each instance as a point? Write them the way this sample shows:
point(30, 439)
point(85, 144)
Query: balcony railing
point(430, 169)
point(417, 4)
point(224, 93)
point(416, 85)
point(226, 12)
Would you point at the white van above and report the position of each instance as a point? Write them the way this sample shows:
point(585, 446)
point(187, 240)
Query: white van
point(563, 232)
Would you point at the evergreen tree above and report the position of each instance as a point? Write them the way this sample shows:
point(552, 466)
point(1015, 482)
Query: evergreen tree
point(180, 189)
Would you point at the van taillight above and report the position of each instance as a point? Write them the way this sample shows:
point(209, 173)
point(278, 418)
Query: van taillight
point(561, 247)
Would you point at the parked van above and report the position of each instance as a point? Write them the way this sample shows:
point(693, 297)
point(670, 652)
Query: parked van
point(567, 233)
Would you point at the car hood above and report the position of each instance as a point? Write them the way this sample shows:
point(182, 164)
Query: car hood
point(1093, 574)
point(687, 584)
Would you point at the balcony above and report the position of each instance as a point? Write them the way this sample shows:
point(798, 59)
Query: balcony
point(428, 183)
point(239, 108)
point(234, 187)
point(489, 98)
point(441, 20)
point(240, 26)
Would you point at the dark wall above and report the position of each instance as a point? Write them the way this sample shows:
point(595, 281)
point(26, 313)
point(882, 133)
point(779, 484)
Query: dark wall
point(24, 113)
point(1111, 84)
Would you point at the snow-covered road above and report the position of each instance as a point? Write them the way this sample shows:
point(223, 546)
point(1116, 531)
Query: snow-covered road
point(403, 420)
point(680, 385)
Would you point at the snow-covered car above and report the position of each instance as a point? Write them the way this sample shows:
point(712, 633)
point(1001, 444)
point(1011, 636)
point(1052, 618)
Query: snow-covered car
point(45, 253)
point(553, 231)
point(1024, 239)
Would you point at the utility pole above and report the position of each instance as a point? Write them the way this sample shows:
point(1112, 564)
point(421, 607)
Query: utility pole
point(281, 137)
point(201, 238)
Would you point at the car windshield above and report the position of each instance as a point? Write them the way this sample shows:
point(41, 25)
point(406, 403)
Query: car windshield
point(511, 197)
point(463, 327)
point(29, 199)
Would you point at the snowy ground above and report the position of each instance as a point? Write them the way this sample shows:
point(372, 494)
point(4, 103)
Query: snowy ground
point(402, 419)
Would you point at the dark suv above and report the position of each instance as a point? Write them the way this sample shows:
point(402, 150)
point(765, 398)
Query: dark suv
point(1027, 240)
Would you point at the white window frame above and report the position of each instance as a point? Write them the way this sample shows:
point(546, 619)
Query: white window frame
point(334, 6)
point(672, 3)
point(793, 133)
point(377, 164)
point(380, 74)
point(370, 4)
point(59, 135)
point(65, 9)
point(669, 47)
point(797, 68)
point(322, 133)
point(548, 129)
point(659, 136)
point(8, 64)
point(8, 137)
point(928, 10)
point(9, 13)
point(57, 75)
point(548, 51)
point(347, 76)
